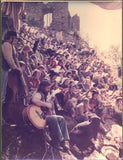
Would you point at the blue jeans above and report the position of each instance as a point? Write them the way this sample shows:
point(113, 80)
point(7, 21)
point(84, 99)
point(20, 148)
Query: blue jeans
point(4, 84)
point(58, 128)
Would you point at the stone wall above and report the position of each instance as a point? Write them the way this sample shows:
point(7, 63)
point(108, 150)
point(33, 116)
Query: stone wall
point(61, 19)
point(35, 13)
point(75, 22)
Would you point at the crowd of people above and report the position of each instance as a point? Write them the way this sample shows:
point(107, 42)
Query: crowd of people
point(80, 83)
point(74, 71)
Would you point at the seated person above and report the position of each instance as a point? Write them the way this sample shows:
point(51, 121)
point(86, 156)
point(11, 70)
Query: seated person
point(70, 93)
point(82, 112)
point(57, 125)
point(70, 106)
point(35, 79)
point(119, 105)
point(24, 56)
point(107, 113)
point(95, 106)
point(64, 88)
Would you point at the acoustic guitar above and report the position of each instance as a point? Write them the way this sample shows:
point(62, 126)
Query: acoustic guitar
point(36, 115)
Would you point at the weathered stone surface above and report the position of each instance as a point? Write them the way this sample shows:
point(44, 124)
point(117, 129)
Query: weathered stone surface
point(95, 155)
point(113, 141)
point(35, 13)
point(61, 19)
point(75, 22)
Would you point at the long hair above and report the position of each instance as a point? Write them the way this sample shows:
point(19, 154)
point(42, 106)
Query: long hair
point(42, 86)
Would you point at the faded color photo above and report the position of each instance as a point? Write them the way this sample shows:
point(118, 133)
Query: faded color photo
point(61, 80)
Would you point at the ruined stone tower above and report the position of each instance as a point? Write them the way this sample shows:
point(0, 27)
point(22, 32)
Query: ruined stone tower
point(61, 19)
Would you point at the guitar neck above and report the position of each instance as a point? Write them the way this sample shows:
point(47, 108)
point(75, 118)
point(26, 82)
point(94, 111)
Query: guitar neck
point(21, 75)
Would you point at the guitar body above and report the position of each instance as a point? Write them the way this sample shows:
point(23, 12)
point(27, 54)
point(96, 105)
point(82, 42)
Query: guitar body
point(35, 115)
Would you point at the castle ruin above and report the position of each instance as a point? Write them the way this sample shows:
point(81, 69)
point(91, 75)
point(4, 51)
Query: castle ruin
point(60, 16)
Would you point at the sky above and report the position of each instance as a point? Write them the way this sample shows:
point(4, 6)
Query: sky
point(103, 27)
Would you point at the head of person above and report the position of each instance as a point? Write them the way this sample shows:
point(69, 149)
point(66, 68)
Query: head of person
point(36, 73)
point(11, 37)
point(86, 101)
point(119, 101)
point(60, 63)
point(26, 49)
point(110, 111)
point(95, 94)
point(45, 60)
point(34, 59)
point(54, 86)
point(73, 72)
point(74, 101)
point(22, 65)
point(44, 87)
point(53, 63)
point(53, 75)
point(68, 74)
point(41, 68)
point(72, 89)
point(66, 82)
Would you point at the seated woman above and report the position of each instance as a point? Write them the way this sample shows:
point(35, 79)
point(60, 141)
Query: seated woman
point(24, 56)
point(35, 80)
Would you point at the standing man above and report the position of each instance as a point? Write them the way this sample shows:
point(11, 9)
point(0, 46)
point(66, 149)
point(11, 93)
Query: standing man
point(8, 61)
point(57, 125)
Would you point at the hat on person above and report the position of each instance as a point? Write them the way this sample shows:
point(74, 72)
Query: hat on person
point(10, 34)
point(41, 66)
point(22, 63)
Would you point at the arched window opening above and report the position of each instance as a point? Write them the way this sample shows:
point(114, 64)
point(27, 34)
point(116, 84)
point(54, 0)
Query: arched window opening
point(47, 20)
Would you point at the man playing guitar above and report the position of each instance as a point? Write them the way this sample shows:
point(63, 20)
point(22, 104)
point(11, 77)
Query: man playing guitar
point(57, 125)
